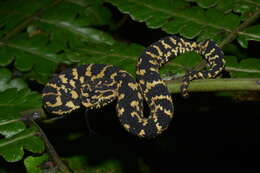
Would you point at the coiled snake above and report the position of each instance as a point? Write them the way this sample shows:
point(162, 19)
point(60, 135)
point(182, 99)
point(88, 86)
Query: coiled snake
point(95, 85)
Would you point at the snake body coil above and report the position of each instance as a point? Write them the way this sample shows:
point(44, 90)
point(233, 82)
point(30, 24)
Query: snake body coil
point(95, 85)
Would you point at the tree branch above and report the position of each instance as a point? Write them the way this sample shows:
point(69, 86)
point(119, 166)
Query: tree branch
point(210, 85)
point(234, 33)
point(51, 149)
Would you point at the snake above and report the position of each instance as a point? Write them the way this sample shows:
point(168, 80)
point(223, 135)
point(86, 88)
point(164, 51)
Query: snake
point(96, 85)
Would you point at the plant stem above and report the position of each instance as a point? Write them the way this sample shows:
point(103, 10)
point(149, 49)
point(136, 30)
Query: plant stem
point(234, 34)
point(51, 150)
point(209, 85)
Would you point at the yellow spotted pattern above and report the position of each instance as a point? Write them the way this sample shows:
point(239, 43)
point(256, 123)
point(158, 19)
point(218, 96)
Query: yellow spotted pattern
point(96, 85)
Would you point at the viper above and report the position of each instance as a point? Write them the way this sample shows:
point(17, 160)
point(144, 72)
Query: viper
point(96, 85)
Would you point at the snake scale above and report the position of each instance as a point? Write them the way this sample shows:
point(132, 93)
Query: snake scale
point(95, 85)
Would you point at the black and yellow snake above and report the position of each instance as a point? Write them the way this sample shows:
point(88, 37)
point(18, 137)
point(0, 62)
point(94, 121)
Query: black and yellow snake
point(95, 85)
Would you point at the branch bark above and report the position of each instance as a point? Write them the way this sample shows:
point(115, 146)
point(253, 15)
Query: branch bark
point(210, 85)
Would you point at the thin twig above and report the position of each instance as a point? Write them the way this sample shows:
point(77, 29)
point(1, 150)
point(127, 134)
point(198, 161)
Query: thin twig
point(209, 85)
point(51, 149)
point(245, 24)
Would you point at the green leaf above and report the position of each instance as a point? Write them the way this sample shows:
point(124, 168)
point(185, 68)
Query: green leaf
point(250, 33)
point(179, 65)
point(32, 164)
point(12, 129)
point(120, 54)
point(205, 3)
point(12, 148)
point(125, 56)
point(245, 68)
point(239, 6)
point(15, 11)
point(31, 53)
point(80, 164)
point(5, 58)
point(96, 13)
point(88, 13)
point(179, 17)
point(36, 52)
point(41, 78)
point(17, 136)
point(64, 30)
point(225, 6)
point(245, 8)
point(7, 82)
point(13, 101)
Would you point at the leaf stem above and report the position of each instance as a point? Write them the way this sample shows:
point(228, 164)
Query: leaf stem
point(209, 85)
point(232, 36)
point(24, 116)
point(234, 33)
point(227, 68)
point(15, 138)
point(51, 149)
point(49, 57)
